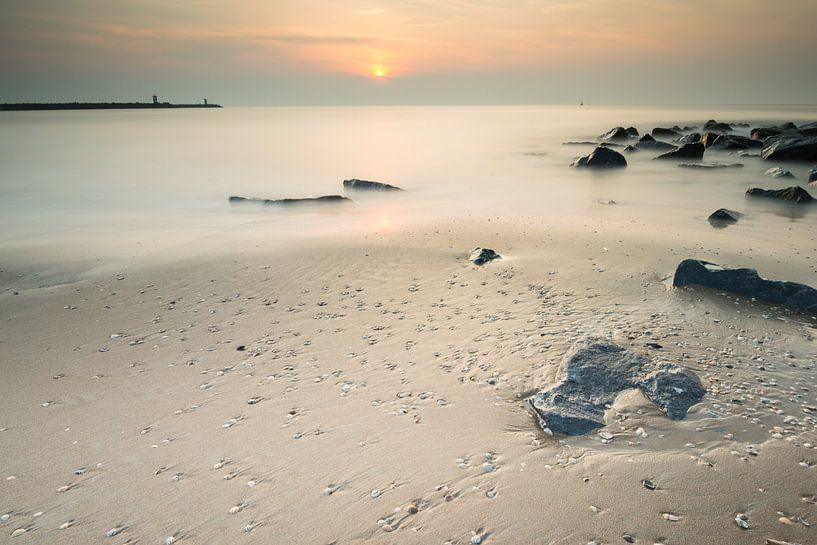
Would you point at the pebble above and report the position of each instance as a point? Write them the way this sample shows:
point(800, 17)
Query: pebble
point(170, 540)
point(253, 400)
point(66, 525)
point(488, 467)
point(648, 484)
point(606, 435)
point(742, 521)
point(375, 493)
point(19, 532)
point(4, 517)
point(476, 539)
point(114, 532)
point(670, 517)
point(235, 509)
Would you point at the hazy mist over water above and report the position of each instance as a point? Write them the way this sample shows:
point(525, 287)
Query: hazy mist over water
point(125, 183)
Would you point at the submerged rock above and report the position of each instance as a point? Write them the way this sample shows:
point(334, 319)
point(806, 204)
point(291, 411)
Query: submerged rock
point(302, 200)
point(663, 131)
point(745, 282)
point(601, 157)
point(812, 175)
point(687, 151)
point(709, 166)
point(594, 372)
point(723, 217)
point(713, 125)
point(617, 133)
point(647, 142)
point(632, 131)
point(709, 138)
point(728, 142)
point(481, 256)
point(777, 172)
point(690, 138)
point(354, 183)
point(794, 194)
point(790, 149)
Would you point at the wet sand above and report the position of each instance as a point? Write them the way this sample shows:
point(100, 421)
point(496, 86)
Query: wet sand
point(367, 389)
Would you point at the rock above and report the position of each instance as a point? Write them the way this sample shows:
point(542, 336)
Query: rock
point(689, 138)
point(812, 175)
point(632, 132)
point(647, 142)
point(777, 172)
point(793, 194)
point(481, 256)
point(791, 149)
point(593, 373)
point(617, 133)
point(788, 126)
point(762, 133)
point(710, 166)
point(746, 282)
point(723, 217)
point(286, 202)
point(630, 149)
point(673, 389)
point(354, 183)
point(601, 158)
point(687, 151)
point(728, 142)
point(713, 125)
point(709, 138)
point(662, 131)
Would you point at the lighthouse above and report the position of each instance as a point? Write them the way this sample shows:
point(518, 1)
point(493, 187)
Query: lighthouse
point(155, 99)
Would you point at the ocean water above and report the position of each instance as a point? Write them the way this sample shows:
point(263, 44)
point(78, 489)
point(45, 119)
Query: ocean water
point(110, 184)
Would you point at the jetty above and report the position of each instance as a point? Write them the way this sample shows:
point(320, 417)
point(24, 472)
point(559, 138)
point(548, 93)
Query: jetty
point(154, 104)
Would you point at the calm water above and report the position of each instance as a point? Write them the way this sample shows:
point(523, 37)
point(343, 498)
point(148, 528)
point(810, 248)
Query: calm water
point(115, 181)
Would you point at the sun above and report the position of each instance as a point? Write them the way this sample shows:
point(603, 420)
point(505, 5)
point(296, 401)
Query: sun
point(380, 71)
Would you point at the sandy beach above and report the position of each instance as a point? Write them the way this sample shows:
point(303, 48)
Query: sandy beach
point(352, 389)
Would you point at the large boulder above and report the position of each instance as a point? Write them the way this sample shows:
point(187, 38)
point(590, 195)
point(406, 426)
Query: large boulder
point(709, 138)
point(722, 217)
point(665, 132)
point(794, 194)
point(632, 132)
point(790, 149)
point(594, 372)
point(690, 138)
point(354, 183)
point(617, 133)
point(746, 282)
point(601, 157)
point(713, 125)
point(727, 142)
point(687, 151)
point(290, 201)
point(762, 133)
point(647, 142)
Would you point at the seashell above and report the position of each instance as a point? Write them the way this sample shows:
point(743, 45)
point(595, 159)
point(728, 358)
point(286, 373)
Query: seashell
point(66, 525)
point(19, 532)
point(387, 528)
point(235, 509)
point(170, 540)
point(375, 493)
point(476, 539)
point(114, 532)
point(412, 509)
point(670, 517)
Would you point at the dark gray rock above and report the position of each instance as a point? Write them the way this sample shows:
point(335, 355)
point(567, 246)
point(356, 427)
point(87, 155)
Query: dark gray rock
point(812, 175)
point(354, 183)
point(710, 166)
point(593, 373)
point(777, 172)
point(481, 256)
point(790, 149)
point(630, 149)
point(746, 282)
point(728, 142)
point(601, 157)
point(709, 138)
point(633, 132)
point(723, 217)
point(286, 202)
point(713, 125)
point(690, 138)
point(647, 142)
point(665, 132)
point(674, 389)
point(762, 133)
point(687, 151)
point(617, 133)
point(793, 194)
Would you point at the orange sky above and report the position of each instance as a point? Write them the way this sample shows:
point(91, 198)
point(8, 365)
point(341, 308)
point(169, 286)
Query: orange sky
point(404, 38)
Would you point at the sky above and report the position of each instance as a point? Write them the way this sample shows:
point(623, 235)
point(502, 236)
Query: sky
point(342, 52)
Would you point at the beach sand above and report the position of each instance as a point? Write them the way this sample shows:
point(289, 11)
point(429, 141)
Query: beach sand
point(368, 389)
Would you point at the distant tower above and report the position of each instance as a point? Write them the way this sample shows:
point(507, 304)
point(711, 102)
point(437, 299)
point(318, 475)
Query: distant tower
point(155, 99)
point(205, 102)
